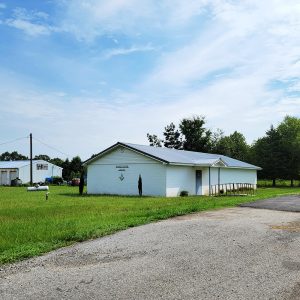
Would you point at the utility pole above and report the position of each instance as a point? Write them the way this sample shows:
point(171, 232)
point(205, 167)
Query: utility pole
point(30, 137)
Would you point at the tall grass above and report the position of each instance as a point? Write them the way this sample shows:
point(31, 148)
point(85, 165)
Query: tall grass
point(30, 225)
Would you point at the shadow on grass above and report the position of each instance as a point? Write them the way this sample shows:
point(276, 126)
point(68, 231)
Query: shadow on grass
point(103, 195)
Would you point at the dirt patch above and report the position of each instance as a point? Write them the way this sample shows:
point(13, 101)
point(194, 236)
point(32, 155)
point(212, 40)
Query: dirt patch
point(215, 215)
point(295, 294)
point(92, 259)
point(291, 265)
point(290, 226)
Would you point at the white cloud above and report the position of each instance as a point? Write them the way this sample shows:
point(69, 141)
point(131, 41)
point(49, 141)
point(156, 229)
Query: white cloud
point(2, 5)
point(84, 125)
point(223, 72)
point(24, 14)
point(126, 51)
point(241, 37)
point(249, 44)
point(180, 12)
point(89, 19)
point(28, 27)
point(31, 22)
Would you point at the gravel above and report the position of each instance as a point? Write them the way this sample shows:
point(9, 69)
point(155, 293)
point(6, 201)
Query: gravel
point(236, 253)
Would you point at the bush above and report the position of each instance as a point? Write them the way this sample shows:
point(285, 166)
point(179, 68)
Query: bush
point(56, 180)
point(184, 193)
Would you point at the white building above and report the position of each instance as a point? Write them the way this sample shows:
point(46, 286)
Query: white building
point(164, 172)
point(41, 169)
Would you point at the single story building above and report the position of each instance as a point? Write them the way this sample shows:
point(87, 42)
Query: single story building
point(164, 171)
point(41, 169)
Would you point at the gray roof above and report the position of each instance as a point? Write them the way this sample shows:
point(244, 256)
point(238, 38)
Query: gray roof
point(173, 156)
point(16, 164)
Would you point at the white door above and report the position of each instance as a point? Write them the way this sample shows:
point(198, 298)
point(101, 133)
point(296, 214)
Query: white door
point(12, 176)
point(198, 182)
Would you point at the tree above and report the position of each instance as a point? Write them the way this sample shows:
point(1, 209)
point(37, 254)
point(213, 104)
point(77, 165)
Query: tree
point(215, 140)
point(66, 170)
point(73, 168)
point(173, 138)
point(76, 167)
point(7, 156)
point(195, 136)
point(267, 153)
point(192, 136)
point(81, 183)
point(234, 146)
point(289, 131)
point(154, 140)
point(57, 161)
point(43, 157)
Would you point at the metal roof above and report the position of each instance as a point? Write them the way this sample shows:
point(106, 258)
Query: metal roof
point(173, 156)
point(16, 164)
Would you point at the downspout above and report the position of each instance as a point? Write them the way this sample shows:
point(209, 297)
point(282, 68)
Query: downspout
point(219, 170)
point(209, 180)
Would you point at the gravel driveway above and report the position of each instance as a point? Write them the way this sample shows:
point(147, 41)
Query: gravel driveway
point(237, 253)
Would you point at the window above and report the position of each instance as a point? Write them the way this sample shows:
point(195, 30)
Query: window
point(42, 166)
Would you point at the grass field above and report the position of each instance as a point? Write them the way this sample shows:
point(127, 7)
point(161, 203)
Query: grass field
point(29, 225)
point(279, 183)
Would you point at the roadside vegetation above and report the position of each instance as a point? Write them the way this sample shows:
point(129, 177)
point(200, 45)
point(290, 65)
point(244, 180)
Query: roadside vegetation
point(30, 225)
point(279, 183)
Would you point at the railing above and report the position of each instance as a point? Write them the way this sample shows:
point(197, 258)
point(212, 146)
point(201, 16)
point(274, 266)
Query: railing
point(232, 189)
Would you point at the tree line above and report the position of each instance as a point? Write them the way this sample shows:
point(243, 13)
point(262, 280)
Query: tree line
point(277, 152)
point(71, 168)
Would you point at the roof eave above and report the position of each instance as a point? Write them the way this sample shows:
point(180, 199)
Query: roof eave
point(247, 168)
point(212, 166)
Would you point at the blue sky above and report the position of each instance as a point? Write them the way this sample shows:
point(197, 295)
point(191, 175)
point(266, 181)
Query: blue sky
point(84, 74)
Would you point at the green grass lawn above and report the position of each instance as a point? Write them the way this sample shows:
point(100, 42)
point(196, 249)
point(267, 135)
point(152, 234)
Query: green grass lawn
point(29, 225)
point(279, 183)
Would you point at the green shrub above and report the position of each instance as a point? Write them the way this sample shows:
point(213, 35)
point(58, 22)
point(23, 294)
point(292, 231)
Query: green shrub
point(184, 193)
point(57, 180)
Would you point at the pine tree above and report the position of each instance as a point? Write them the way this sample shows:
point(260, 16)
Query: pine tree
point(154, 141)
point(172, 137)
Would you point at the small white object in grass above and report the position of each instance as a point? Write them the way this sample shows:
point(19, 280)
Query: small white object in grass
point(39, 188)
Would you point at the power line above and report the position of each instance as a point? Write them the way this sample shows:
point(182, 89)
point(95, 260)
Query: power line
point(12, 141)
point(53, 148)
point(26, 137)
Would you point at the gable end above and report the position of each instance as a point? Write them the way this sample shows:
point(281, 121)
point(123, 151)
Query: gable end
point(115, 147)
